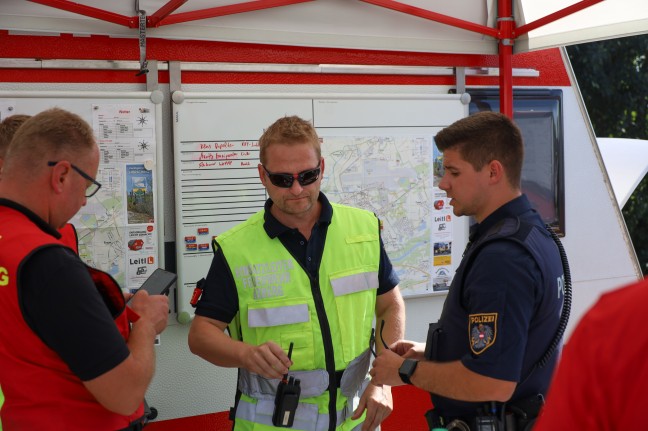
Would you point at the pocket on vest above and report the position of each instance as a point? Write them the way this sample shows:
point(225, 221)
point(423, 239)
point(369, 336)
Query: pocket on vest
point(355, 300)
point(284, 321)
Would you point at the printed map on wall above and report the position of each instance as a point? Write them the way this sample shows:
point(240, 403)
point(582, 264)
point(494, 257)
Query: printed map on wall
point(116, 228)
point(396, 178)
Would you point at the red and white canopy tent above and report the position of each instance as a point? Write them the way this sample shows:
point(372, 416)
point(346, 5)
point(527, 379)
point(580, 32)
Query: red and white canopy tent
point(502, 27)
point(238, 31)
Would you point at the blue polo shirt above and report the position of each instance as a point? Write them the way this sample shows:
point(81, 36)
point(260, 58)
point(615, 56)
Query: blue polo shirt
point(503, 307)
point(220, 300)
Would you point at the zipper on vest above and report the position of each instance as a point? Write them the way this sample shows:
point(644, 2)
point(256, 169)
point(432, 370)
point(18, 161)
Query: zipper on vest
point(328, 351)
point(327, 340)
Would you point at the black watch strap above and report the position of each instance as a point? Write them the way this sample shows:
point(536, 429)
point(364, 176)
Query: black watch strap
point(406, 370)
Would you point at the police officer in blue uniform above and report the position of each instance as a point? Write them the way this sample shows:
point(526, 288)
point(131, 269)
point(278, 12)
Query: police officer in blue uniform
point(496, 340)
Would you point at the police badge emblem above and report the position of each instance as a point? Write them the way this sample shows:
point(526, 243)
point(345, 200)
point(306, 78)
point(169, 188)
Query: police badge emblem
point(482, 331)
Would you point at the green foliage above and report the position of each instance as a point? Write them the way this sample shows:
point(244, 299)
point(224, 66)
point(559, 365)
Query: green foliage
point(140, 207)
point(635, 213)
point(613, 79)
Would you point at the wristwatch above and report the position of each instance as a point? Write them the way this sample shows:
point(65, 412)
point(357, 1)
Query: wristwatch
point(406, 370)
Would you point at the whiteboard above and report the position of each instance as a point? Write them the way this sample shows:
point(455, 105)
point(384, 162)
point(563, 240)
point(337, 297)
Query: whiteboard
point(120, 228)
point(380, 156)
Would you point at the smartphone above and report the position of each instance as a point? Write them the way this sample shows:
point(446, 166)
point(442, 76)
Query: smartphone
point(159, 282)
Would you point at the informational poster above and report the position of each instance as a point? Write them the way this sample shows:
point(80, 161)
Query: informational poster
point(117, 227)
point(396, 177)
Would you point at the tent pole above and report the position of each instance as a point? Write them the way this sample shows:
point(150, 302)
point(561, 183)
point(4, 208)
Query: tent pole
point(505, 25)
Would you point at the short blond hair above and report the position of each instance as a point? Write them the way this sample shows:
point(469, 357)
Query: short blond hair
point(289, 130)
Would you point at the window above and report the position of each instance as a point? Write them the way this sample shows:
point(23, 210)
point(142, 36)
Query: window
point(538, 114)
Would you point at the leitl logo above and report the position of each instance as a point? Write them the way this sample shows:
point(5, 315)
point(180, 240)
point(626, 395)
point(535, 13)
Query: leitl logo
point(151, 260)
point(4, 276)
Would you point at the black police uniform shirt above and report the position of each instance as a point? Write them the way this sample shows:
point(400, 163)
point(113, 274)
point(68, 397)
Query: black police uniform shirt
point(61, 305)
point(219, 298)
point(505, 316)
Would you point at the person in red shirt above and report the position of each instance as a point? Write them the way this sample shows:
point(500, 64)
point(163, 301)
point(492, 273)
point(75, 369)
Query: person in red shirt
point(600, 383)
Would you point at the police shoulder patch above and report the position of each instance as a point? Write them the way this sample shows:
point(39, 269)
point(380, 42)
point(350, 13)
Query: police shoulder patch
point(482, 331)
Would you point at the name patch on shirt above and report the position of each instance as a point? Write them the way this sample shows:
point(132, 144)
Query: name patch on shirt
point(265, 279)
point(482, 330)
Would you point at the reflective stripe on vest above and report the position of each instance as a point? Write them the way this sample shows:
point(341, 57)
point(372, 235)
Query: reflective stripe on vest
point(313, 382)
point(275, 316)
point(284, 315)
point(306, 416)
point(355, 283)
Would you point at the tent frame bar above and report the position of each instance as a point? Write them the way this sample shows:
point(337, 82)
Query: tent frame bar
point(347, 69)
point(505, 33)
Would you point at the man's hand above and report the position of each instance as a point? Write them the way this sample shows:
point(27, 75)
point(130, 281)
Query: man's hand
point(154, 308)
point(409, 349)
point(378, 402)
point(385, 369)
point(267, 360)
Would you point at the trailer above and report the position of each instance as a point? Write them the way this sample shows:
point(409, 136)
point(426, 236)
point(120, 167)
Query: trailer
point(162, 79)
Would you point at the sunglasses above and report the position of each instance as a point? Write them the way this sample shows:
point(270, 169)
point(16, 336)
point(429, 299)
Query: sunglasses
point(286, 181)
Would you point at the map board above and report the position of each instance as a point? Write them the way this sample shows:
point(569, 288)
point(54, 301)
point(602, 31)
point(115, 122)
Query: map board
point(379, 153)
point(119, 227)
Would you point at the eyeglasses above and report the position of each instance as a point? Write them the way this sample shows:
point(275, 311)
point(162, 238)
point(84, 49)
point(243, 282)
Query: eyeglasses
point(286, 181)
point(94, 185)
point(372, 340)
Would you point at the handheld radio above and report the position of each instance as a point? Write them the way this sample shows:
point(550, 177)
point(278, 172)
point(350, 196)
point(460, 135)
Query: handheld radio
point(287, 399)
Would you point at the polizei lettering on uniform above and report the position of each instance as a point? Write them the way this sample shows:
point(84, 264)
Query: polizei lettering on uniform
point(267, 278)
point(482, 331)
point(483, 318)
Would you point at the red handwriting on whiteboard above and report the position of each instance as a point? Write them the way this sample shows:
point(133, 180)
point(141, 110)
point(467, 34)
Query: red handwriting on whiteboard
point(223, 145)
point(206, 164)
point(218, 156)
point(227, 156)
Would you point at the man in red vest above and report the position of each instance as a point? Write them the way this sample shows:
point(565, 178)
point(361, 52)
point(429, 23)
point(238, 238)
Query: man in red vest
point(72, 355)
